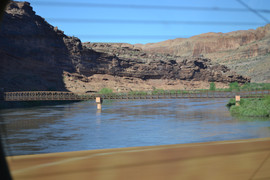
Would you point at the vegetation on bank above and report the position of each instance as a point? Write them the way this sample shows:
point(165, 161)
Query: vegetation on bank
point(212, 86)
point(106, 91)
point(254, 107)
point(157, 91)
point(232, 87)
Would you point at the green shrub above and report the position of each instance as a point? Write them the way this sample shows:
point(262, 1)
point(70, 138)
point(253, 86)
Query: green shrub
point(259, 107)
point(235, 110)
point(106, 91)
point(267, 100)
point(185, 92)
point(231, 102)
point(137, 93)
point(234, 86)
point(158, 91)
point(212, 86)
point(255, 86)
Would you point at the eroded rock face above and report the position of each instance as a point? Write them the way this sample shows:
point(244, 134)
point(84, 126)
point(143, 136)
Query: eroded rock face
point(34, 55)
point(243, 51)
point(133, 62)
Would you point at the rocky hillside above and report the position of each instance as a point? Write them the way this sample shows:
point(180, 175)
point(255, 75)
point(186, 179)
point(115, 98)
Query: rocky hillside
point(131, 61)
point(246, 52)
point(37, 56)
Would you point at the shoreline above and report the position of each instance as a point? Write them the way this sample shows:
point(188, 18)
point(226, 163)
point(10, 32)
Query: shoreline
point(254, 107)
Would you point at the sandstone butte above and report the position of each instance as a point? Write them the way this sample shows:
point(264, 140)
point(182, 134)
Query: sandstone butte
point(38, 56)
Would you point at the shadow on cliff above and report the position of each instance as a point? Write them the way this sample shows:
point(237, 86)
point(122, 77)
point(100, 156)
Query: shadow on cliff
point(33, 53)
point(18, 74)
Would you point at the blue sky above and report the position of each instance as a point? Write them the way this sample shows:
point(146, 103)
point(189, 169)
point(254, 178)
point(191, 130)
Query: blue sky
point(146, 25)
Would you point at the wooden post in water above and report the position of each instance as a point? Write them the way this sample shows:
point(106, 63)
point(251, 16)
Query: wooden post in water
point(99, 102)
point(237, 100)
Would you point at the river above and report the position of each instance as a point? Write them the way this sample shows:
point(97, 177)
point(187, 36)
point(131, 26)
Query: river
point(80, 126)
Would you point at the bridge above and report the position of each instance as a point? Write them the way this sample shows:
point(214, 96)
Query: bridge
point(69, 96)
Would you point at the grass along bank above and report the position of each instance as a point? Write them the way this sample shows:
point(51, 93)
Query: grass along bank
point(212, 87)
point(253, 107)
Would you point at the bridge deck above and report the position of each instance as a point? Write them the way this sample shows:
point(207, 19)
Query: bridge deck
point(69, 96)
point(239, 160)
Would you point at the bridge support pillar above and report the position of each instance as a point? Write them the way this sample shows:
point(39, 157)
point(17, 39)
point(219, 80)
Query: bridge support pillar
point(99, 102)
point(237, 100)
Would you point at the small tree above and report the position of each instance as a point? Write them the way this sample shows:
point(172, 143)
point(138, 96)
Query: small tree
point(212, 86)
point(234, 86)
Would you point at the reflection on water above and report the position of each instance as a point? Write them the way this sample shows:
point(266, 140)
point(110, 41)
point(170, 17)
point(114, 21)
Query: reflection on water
point(80, 126)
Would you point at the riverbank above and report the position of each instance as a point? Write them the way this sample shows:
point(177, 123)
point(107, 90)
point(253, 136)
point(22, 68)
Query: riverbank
point(80, 85)
point(232, 87)
point(253, 107)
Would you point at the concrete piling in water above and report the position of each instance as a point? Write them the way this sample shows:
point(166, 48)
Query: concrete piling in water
point(99, 102)
point(237, 100)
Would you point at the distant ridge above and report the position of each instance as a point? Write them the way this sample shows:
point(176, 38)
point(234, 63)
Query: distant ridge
point(245, 51)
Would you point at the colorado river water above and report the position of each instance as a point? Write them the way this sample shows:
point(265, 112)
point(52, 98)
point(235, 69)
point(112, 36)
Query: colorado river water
point(79, 126)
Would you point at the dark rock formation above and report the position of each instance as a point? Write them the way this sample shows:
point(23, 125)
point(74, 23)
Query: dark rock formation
point(34, 55)
point(133, 62)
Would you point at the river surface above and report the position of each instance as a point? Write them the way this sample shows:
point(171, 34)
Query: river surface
point(80, 126)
